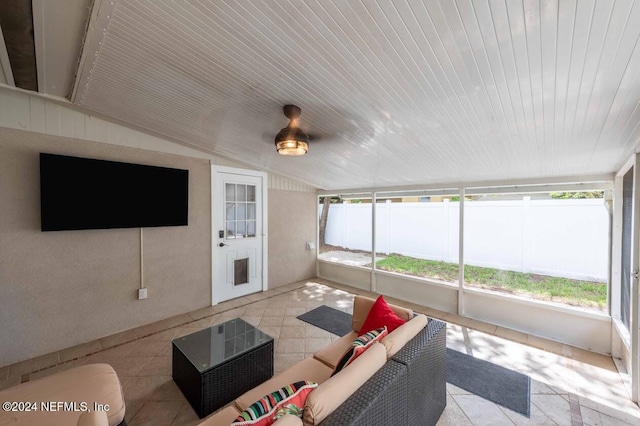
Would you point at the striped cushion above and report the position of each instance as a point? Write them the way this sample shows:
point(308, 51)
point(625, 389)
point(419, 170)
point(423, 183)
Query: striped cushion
point(358, 346)
point(287, 400)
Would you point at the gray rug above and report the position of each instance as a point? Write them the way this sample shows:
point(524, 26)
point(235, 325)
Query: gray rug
point(487, 380)
point(330, 319)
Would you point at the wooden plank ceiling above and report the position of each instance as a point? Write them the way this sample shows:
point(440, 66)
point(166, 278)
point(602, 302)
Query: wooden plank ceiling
point(394, 92)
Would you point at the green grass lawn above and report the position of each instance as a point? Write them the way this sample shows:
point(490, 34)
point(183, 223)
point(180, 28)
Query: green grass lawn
point(541, 287)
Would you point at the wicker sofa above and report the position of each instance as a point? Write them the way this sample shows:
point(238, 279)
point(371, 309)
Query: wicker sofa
point(399, 381)
point(410, 389)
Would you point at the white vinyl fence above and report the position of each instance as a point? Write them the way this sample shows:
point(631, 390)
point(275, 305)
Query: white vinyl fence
point(565, 238)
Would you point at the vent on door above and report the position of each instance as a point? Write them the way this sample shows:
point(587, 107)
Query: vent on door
point(240, 274)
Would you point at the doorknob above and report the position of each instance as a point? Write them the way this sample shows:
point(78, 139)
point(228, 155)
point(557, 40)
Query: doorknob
point(222, 244)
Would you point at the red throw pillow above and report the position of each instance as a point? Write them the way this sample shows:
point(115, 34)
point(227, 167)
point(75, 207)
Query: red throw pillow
point(380, 316)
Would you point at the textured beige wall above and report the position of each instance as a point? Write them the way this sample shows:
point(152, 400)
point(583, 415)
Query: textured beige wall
point(292, 222)
point(59, 289)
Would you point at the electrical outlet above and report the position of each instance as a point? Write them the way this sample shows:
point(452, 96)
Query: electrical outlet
point(142, 293)
point(311, 245)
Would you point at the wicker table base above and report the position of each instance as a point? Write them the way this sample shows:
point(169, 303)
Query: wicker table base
point(211, 389)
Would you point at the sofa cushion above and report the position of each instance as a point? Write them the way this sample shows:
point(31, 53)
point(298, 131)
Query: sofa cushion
point(381, 315)
point(266, 410)
point(332, 353)
point(361, 307)
point(308, 369)
point(222, 417)
point(93, 383)
point(396, 340)
point(333, 392)
point(358, 347)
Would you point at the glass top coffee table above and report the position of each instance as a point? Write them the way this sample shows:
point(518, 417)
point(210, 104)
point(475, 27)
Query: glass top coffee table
point(214, 366)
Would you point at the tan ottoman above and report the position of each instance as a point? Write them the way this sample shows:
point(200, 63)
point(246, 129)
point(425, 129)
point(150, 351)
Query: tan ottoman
point(85, 386)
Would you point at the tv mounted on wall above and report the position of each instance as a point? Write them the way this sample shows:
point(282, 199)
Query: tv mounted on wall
point(81, 193)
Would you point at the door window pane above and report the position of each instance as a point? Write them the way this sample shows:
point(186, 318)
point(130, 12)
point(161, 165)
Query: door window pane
point(251, 228)
point(240, 229)
point(241, 195)
point(230, 192)
point(231, 211)
point(242, 207)
point(251, 193)
point(231, 230)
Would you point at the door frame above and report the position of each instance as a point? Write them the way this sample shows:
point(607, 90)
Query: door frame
point(628, 339)
point(215, 169)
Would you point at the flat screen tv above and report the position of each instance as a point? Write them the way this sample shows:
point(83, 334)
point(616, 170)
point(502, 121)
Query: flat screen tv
point(81, 193)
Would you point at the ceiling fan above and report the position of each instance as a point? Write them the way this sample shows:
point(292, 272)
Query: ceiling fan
point(292, 140)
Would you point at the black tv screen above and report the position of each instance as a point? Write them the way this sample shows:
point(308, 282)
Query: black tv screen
point(81, 193)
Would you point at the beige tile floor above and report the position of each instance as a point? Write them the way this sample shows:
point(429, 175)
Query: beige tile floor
point(570, 386)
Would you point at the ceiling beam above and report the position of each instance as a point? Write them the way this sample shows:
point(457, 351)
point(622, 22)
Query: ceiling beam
point(5, 64)
point(16, 21)
point(560, 183)
point(38, 43)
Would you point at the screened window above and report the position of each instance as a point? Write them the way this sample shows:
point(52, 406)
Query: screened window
point(417, 234)
point(544, 246)
point(345, 229)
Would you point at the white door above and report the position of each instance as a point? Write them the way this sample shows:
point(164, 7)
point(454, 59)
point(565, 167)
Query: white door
point(238, 204)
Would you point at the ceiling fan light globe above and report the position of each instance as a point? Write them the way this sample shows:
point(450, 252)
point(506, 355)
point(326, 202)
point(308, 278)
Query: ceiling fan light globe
point(292, 141)
point(292, 147)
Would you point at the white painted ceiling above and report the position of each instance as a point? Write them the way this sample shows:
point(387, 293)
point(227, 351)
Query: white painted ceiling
point(397, 92)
